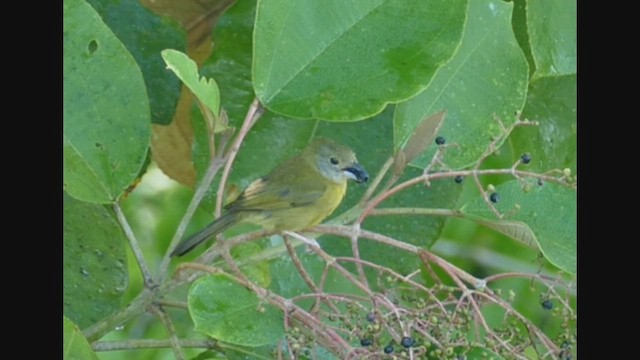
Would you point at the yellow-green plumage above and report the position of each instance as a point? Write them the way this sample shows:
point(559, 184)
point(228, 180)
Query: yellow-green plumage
point(298, 194)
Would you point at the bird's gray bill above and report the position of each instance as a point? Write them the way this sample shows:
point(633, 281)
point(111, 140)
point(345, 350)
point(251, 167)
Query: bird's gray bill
point(360, 175)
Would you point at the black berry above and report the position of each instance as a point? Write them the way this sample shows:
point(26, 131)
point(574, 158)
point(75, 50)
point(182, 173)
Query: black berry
point(407, 342)
point(525, 158)
point(440, 140)
point(494, 197)
point(366, 342)
point(371, 317)
point(547, 304)
point(388, 349)
point(458, 179)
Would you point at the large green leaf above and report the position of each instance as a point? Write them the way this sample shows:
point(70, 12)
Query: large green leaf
point(75, 346)
point(553, 29)
point(145, 35)
point(550, 211)
point(338, 60)
point(106, 111)
point(229, 312)
point(487, 77)
point(552, 101)
point(95, 272)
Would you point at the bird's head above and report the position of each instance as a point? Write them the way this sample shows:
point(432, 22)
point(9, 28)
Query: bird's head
point(334, 161)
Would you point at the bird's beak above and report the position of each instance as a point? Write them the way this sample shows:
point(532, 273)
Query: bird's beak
point(356, 172)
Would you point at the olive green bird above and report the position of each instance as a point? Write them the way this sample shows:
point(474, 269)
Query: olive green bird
point(296, 195)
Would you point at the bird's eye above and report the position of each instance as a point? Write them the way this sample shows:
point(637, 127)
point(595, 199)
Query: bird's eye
point(334, 161)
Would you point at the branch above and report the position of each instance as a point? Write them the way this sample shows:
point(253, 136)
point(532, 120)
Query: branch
point(150, 344)
point(133, 242)
point(168, 324)
point(255, 112)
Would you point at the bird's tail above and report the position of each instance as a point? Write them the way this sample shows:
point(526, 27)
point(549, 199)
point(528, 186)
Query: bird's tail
point(219, 225)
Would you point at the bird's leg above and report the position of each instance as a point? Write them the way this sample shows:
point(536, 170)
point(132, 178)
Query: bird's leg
point(304, 239)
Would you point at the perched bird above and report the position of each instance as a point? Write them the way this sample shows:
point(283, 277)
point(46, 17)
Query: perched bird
point(296, 195)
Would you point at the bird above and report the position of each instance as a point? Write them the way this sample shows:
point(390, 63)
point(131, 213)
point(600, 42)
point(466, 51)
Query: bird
point(298, 194)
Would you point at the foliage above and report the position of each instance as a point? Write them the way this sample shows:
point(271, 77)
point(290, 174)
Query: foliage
point(464, 113)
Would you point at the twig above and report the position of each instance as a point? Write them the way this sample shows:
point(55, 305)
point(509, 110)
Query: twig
point(168, 324)
point(255, 111)
point(139, 305)
point(172, 303)
point(306, 277)
point(356, 253)
point(375, 182)
point(345, 231)
point(133, 242)
point(150, 344)
point(201, 190)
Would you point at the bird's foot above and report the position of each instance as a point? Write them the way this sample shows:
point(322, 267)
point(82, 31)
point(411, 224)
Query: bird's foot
point(304, 239)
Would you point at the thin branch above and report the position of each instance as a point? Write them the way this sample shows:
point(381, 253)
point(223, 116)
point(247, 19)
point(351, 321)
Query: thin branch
point(416, 211)
point(306, 277)
point(255, 111)
point(172, 303)
point(150, 344)
point(356, 254)
point(371, 205)
point(133, 242)
point(201, 190)
point(171, 330)
point(376, 181)
point(137, 306)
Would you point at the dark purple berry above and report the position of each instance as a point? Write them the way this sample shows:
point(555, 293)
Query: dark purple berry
point(371, 317)
point(494, 197)
point(440, 140)
point(366, 342)
point(458, 179)
point(525, 158)
point(407, 342)
point(388, 349)
point(547, 304)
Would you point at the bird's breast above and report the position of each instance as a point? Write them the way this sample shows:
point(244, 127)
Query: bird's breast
point(303, 215)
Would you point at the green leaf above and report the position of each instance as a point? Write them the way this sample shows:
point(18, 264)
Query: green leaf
point(95, 271)
point(106, 111)
point(186, 69)
point(345, 61)
point(145, 35)
point(229, 312)
point(487, 77)
point(552, 29)
point(75, 346)
point(549, 211)
point(552, 101)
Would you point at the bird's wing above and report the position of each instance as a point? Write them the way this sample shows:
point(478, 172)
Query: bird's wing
point(278, 190)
